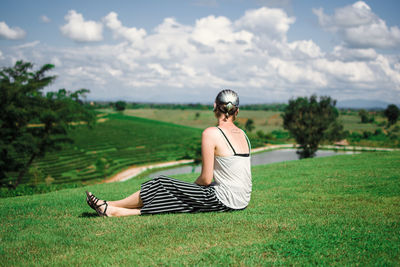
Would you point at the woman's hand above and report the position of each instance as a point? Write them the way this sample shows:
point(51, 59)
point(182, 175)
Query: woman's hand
point(207, 155)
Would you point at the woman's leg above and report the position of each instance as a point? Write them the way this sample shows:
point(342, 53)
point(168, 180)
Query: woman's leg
point(118, 212)
point(126, 207)
point(131, 202)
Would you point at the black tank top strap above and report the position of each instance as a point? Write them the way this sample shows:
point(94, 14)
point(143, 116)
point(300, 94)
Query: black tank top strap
point(227, 140)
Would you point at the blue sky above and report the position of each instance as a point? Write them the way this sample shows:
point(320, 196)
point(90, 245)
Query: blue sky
point(186, 51)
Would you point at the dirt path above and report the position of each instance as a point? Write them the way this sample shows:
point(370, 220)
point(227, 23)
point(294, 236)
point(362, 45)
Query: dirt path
point(136, 170)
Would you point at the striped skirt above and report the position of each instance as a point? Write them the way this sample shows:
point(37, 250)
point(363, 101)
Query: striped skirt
point(168, 195)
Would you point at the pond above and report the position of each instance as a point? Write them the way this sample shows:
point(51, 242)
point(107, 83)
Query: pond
point(256, 159)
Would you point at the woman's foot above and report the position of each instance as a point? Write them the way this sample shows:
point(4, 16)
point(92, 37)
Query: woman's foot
point(100, 206)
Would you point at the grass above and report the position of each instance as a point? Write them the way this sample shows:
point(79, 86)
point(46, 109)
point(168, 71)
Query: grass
point(265, 121)
point(111, 146)
point(340, 210)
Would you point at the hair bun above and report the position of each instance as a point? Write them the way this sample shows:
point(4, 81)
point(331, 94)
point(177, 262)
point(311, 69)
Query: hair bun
point(227, 102)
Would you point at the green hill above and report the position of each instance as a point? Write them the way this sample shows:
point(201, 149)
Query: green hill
point(340, 210)
point(111, 146)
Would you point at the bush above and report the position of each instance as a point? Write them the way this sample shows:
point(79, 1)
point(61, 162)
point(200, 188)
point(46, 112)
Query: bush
point(311, 121)
point(120, 105)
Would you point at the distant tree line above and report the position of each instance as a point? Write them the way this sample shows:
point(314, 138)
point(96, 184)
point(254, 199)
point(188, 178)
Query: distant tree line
point(190, 106)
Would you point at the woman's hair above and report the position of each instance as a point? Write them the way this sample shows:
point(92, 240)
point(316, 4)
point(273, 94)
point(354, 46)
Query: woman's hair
point(227, 103)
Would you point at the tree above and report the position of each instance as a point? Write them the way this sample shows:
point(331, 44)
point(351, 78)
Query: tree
point(392, 113)
point(249, 126)
point(311, 121)
point(365, 117)
point(120, 105)
point(33, 123)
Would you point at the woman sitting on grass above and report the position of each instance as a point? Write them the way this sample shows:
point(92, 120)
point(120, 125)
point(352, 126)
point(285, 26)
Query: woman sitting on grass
point(223, 185)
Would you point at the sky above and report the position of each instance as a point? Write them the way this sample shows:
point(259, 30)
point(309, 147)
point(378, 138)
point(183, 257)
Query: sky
point(187, 51)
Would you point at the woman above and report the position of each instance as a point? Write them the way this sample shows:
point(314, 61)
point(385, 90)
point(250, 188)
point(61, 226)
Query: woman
point(223, 185)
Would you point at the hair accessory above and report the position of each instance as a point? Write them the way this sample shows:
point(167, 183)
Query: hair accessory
point(229, 106)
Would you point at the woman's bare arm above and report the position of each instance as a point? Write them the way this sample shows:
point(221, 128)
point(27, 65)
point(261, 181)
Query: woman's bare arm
point(207, 155)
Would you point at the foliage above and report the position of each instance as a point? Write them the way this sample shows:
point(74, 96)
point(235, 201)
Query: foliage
point(190, 106)
point(120, 105)
point(391, 136)
point(392, 113)
point(193, 150)
point(365, 117)
point(113, 145)
point(311, 121)
point(266, 107)
point(249, 126)
point(33, 123)
point(341, 211)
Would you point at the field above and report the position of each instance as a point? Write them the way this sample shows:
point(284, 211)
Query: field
point(340, 210)
point(124, 140)
point(265, 121)
point(118, 142)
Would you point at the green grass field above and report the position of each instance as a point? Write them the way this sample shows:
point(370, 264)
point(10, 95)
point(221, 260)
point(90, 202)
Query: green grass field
point(340, 210)
point(119, 142)
point(265, 121)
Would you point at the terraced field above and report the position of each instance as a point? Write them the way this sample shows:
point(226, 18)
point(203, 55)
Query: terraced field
point(111, 146)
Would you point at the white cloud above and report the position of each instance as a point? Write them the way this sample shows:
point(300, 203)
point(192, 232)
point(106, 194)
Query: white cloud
point(271, 22)
point(80, 30)
point(45, 19)
point(131, 34)
point(360, 27)
point(14, 33)
point(307, 48)
point(178, 62)
point(28, 45)
point(354, 73)
point(349, 54)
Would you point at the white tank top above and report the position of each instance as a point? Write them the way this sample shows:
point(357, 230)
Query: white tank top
point(232, 178)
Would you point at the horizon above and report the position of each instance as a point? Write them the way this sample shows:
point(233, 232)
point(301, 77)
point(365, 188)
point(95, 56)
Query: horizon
point(268, 51)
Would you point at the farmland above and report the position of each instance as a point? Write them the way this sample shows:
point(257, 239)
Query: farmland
point(117, 143)
point(142, 136)
point(374, 133)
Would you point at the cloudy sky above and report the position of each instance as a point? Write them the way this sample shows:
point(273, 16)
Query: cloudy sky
point(186, 51)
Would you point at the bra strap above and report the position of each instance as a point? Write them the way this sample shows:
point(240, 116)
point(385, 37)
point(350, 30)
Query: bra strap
point(248, 142)
point(227, 140)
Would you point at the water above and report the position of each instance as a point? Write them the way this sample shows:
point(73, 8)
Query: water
point(256, 159)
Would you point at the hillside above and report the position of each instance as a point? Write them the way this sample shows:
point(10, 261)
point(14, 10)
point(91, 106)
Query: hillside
point(341, 210)
point(118, 142)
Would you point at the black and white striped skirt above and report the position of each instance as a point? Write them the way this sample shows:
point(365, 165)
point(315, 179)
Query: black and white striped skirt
point(167, 195)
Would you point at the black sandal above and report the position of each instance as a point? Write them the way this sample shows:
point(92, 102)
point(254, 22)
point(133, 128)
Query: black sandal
point(102, 213)
point(92, 202)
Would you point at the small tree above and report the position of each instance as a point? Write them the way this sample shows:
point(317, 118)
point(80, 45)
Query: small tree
point(364, 116)
point(33, 123)
point(120, 105)
point(311, 121)
point(392, 113)
point(249, 126)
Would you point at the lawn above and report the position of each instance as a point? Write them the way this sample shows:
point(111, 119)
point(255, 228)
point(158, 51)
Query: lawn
point(340, 210)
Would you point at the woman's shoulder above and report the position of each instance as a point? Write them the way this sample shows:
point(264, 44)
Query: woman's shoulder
point(210, 131)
